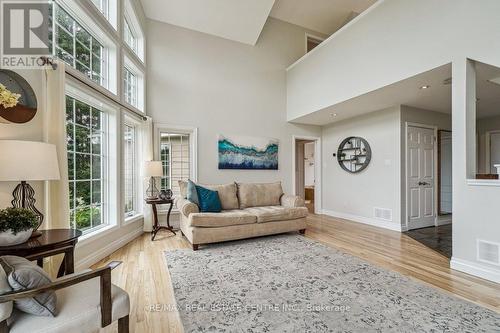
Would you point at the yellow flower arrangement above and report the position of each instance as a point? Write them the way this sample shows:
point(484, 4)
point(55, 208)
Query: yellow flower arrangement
point(8, 99)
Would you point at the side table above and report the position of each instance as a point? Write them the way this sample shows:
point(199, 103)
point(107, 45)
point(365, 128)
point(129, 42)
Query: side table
point(50, 243)
point(156, 225)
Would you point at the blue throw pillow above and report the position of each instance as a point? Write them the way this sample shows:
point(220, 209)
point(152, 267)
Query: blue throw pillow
point(192, 195)
point(209, 201)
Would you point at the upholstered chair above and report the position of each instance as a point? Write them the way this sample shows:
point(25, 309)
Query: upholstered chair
point(86, 302)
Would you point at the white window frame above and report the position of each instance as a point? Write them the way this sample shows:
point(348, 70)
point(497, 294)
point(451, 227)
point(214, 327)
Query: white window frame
point(140, 86)
point(110, 48)
point(193, 146)
point(82, 93)
point(137, 213)
point(133, 22)
point(128, 33)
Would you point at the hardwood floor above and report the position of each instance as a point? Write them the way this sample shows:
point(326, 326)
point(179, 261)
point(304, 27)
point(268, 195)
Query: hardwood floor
point(144, 272)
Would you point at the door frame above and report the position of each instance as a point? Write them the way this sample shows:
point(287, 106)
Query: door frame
point(317, 169)
point(487, 151)
point(435, 129)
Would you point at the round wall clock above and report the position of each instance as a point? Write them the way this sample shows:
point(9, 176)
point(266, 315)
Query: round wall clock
point(354, 154)
point(17, 99)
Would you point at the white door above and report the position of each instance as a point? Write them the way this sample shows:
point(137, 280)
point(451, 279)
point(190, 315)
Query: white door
point(494, 152)
point(420, 172)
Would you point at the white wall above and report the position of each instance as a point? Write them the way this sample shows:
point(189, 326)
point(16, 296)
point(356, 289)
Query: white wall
point(373, 51)
point(308, 168)
point(225, 87)
point(354, 196)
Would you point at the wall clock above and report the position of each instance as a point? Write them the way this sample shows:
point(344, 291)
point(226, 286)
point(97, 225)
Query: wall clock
point(18, 103)
point(354, 154)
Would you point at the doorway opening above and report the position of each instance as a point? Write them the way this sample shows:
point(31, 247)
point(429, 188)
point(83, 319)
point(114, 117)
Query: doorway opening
point(429, 186)
point(306, 162)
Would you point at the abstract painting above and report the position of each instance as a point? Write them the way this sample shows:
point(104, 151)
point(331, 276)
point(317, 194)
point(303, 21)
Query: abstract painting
point(240, 152)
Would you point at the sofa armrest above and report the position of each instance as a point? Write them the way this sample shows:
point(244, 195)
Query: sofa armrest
point(288, 200)
point(186, 207)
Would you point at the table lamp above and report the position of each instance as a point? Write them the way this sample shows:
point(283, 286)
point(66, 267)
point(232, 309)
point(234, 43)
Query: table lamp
point(152, 169)
point(27, 161)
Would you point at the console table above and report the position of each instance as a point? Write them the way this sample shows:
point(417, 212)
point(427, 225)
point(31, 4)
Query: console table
point(156, 225)
point(50, 243)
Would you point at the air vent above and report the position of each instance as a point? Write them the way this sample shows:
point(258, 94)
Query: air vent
point(382, 214)
point(488, 252)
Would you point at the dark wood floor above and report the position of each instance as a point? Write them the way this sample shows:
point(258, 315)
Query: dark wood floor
point(436, 238)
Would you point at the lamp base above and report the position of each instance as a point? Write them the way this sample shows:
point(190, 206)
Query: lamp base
point(152, 192)
point(24, 197)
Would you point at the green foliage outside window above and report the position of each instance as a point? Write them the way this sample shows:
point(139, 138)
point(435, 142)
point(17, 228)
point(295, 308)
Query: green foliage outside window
point(85, 163)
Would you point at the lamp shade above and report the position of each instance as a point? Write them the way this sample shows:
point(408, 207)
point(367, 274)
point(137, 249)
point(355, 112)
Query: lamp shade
point(28, 160)
point(153, 169)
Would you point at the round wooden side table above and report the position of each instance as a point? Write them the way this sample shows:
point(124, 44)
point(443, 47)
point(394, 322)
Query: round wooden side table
point(50, 243)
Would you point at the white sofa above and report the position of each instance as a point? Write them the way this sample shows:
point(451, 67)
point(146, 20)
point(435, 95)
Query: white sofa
point(249, 210)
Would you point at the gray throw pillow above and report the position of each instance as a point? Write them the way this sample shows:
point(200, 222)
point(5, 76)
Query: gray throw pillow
point(22, 274)
point(192, 194)
point(5, 308)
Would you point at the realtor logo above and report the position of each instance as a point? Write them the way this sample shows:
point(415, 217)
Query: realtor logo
point(24, 33)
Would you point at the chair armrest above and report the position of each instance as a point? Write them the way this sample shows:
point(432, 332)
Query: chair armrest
point(288, 200)
point(104, 273)
point(186, 207)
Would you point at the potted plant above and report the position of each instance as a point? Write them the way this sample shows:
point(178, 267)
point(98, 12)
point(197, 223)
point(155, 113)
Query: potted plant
point(16, 225)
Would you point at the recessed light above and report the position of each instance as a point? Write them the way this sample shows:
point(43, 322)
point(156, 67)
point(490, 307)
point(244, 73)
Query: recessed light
point(425, 87)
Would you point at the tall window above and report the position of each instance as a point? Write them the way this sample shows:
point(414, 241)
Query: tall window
point(129, 36)
point(86, 160)
point(103, 6)
point(130, 87)
point(129, 169)
point(77, 47)
point(175, 157)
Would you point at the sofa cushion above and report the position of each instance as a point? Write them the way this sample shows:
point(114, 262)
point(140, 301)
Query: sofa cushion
point(227, 193)
point(223, 219)
point(183, 184)
point(256, 195)
point(277, 213)
point(208, 200)
point(22, 274)
point(79, 311)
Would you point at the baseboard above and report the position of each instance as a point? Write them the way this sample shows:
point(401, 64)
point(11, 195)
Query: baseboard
point(365, 220)
point(476, 269)
point(102, 253)
point(443, 220)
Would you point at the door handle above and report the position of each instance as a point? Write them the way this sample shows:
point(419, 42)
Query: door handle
point(423, 183)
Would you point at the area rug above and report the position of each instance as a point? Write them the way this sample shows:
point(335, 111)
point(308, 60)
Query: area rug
point(289, 283)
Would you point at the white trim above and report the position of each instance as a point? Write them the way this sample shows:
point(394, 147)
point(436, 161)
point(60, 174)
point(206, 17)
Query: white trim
point(483, 182)
point(101, 253)
point(476, 269)
point(318, 199)
point(365, 220)
point(309, 35)
point(488, 149)
point(444, 220)
point(336, 33)
point(435, 128)
point(193, 133)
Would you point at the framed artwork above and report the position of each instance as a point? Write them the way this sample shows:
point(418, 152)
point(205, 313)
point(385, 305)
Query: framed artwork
point(248, 153)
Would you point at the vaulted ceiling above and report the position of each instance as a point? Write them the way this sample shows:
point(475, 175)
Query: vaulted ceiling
point(243, 20)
